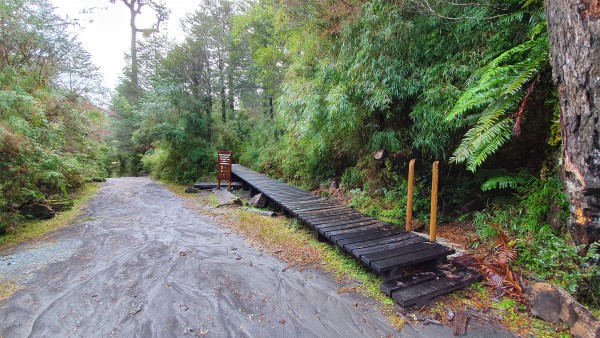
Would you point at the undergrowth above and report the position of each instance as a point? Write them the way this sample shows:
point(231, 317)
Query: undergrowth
point(543, 251)
point(28, 230)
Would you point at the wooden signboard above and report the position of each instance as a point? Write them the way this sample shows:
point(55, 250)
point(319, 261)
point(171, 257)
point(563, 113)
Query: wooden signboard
point(224, 172)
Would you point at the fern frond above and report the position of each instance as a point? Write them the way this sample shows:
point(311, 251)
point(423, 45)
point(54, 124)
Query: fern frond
point(497, 93)
point(503, 182)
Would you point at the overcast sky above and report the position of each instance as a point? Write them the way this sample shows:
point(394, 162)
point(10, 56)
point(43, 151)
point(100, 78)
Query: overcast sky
point(106, 33)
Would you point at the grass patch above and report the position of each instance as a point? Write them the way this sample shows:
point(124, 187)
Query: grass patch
point(28, 230)
point(7, 289)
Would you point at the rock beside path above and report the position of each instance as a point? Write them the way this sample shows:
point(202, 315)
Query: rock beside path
point(258, 201)
point(553, 304)
point(37, 210)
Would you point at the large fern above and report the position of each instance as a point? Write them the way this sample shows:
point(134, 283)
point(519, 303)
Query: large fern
point(491, 102)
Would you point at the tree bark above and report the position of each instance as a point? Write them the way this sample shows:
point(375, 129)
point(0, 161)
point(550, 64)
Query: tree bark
point(230, 92)
point(574, 32)
point(134, 30)
point(221, 66)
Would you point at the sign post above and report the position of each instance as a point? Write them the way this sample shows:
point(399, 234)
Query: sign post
point(224, 172)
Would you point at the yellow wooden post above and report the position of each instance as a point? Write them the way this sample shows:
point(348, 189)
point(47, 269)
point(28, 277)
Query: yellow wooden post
point(434, 193)
point(409, 201)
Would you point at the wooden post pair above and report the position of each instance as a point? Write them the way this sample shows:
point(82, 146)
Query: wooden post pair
point(434, 193)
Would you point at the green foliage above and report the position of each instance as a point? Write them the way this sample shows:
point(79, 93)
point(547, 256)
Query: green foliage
point(542, 249)
point(495, 93)
point(503, 182)
point(50, 139)
point(387, 204)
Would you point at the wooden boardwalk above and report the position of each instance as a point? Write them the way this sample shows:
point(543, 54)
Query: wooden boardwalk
point(384, 248)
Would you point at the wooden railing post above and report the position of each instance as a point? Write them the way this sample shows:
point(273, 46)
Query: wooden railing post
point(434, 195)
point(409, 200)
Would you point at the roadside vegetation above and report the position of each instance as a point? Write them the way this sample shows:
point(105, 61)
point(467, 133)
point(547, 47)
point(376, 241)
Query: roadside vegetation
point(51, 134)
point(293, 243)
point(308, 92)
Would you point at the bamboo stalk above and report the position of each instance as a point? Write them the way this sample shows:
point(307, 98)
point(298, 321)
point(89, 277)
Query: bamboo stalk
point(409, 200)
point(434, 200)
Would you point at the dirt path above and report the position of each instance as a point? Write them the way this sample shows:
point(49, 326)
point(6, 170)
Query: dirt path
point(141, 264)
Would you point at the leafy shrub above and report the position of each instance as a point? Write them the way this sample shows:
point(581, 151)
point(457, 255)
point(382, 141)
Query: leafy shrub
point(543, 250)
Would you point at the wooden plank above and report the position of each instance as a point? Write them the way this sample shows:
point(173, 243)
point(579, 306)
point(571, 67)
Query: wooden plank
point(367, 228)
point(335, 222)
point(459, 325)
point(422, 293)
point(368, 238)
point(393, 285)
point(410, 259)
point(352, 223)
point(309, 203)
point(387, 247)
point(363, 231)
point(408, 248)
point(327, 211)
point(348, 213)
point(327, 218)
point(318, 207)
point(384, 246)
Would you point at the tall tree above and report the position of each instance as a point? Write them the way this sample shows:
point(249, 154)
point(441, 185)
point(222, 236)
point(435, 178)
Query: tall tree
point(211, 24)
point(135, 8)
point(574, 31)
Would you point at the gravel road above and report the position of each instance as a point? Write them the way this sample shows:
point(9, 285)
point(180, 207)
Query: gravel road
point(141, 264)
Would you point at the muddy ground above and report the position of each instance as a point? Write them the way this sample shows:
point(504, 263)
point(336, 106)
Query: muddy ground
point(141, 264)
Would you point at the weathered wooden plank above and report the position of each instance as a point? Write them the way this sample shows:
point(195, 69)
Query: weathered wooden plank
point(376, 227)
point(365, 231)
point(409, 248)
point(368, 238)
point(410, 259)
point(318, 219)
point(324, 211)
point(386, 247)
point(341, 220)
point(351, 223)
point(348, 213)
point(459, 325)
point(422, 293)
point(390, 286)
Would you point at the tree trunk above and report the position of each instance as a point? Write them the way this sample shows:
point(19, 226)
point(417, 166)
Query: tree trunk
point(574, 31)
point(222, 85)
point(134, 59)
point(271, 113)
point(230, 95)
